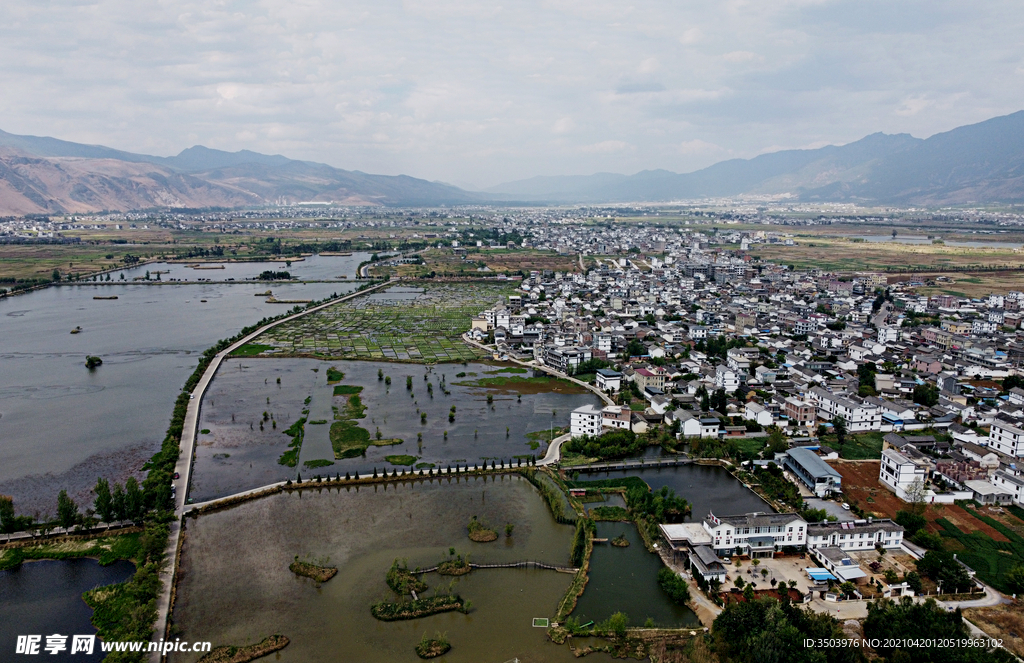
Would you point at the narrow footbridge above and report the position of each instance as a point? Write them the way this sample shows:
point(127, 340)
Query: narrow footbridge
point(632, 464)
point(529, 564)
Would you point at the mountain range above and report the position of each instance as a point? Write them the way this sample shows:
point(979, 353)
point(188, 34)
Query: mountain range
point(978, 163)
point(975, 164)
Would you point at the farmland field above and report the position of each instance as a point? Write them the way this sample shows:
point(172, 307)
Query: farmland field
point(414, 324)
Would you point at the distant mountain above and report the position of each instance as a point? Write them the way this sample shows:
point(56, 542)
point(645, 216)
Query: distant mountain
point(48, 175)
point(978, 163)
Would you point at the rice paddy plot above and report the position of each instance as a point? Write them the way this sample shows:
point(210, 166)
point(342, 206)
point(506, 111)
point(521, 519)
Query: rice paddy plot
point(420, 325)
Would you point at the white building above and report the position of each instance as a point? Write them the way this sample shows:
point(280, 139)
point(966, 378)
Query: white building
point(755, 534)
point(586, 420)
point(608, 380)
point(725, 378)
point(1006, 438)
point(856, 535)
point(898, 473)
point(859, 416)
point(616, 416)
point(757, 412)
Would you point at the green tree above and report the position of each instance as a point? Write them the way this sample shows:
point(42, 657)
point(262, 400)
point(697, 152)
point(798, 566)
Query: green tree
point(55, 275)
point(675, 586)
point(8, 521)
point(104, 502)
point(133, 505)
point(67, 510)
point(926, 394)
point(635, 348)
point(839, 426)
point(1015, 579)
point(616, 624)
point(776, 442)
point(117, 502)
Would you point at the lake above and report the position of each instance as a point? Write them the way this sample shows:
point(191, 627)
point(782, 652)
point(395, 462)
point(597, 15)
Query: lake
point(107, 422)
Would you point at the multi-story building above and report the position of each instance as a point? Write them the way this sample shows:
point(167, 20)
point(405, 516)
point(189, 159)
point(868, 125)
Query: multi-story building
point(859, 416)
point(755, 534)
point(1006, 438)
point(725, 378)
point(586, 420)
point(799, 412)
point(616, 416)
point(565, 359)
point(898, 473)
point(856, 535)
point(608, 380)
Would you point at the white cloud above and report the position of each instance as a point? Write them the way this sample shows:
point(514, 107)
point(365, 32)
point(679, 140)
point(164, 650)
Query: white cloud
point(697, 146)
point(486, 90)
point(606, 147)
point(563, 126)
point(742, 56)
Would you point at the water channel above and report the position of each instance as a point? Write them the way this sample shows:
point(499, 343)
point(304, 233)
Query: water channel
point(236, 587)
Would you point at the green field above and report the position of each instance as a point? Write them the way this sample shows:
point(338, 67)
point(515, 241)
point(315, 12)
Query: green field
point(991, 559)
point(425, 328)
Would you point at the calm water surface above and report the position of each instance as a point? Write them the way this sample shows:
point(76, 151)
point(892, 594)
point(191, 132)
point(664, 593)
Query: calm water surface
point(236, 587)
point(43, 598)
point(61, 425)
point(236, 455)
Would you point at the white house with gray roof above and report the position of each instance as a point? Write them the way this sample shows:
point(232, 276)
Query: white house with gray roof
point(756, 534)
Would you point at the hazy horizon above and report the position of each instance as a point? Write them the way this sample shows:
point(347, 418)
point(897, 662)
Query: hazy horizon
point(478, 93)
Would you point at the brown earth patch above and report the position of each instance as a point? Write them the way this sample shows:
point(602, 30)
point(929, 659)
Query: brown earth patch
point(861, 485)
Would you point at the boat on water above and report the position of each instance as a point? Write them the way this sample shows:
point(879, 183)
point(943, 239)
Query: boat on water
point(76, 330)
point(105, 297)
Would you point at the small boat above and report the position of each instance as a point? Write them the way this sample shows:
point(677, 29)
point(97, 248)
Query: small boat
point(76, 330)
point(107, 297)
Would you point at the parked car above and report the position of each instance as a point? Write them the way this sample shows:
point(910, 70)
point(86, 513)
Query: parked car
point(846, 506)
point(177, 475)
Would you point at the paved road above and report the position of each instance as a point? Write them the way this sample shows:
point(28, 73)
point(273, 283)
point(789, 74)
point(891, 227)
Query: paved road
point(186, 456)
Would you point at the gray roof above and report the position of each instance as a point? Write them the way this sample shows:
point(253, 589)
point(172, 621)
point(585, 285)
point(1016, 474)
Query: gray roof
point(812, 463)
point(706, 555)
point(877, 524)
point(756, 519)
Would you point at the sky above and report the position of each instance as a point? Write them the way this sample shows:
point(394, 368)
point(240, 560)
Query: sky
point(477, 92)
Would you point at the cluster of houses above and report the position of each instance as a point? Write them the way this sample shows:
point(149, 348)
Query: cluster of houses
point(692, 314)
point(707, 547)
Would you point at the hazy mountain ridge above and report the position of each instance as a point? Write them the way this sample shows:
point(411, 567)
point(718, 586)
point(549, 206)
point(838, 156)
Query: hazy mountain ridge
point(979, 163)
point(40, 175)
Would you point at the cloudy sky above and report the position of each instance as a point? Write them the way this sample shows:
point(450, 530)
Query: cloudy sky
point(477, 92)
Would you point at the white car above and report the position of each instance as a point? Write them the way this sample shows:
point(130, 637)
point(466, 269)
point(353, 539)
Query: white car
point(846, 506)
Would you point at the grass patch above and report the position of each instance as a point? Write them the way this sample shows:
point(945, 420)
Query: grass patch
point(525, 385)
point(347, 390)
point(510, 369)
point(251, 350)
point(231, 654)
point(751, 446)
point(991, 559)
point(318, 422)
point(319, 462)
point(616, 513)
point(334, 375)
point(205, 431)
point(860, 446)
point(297, 431)
point(479, 532)
point(401, 459)
point(390, 611)
point(624, 482)
point(354, 408)
point(348, 440)
point(318, 572)
point(425, 466)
